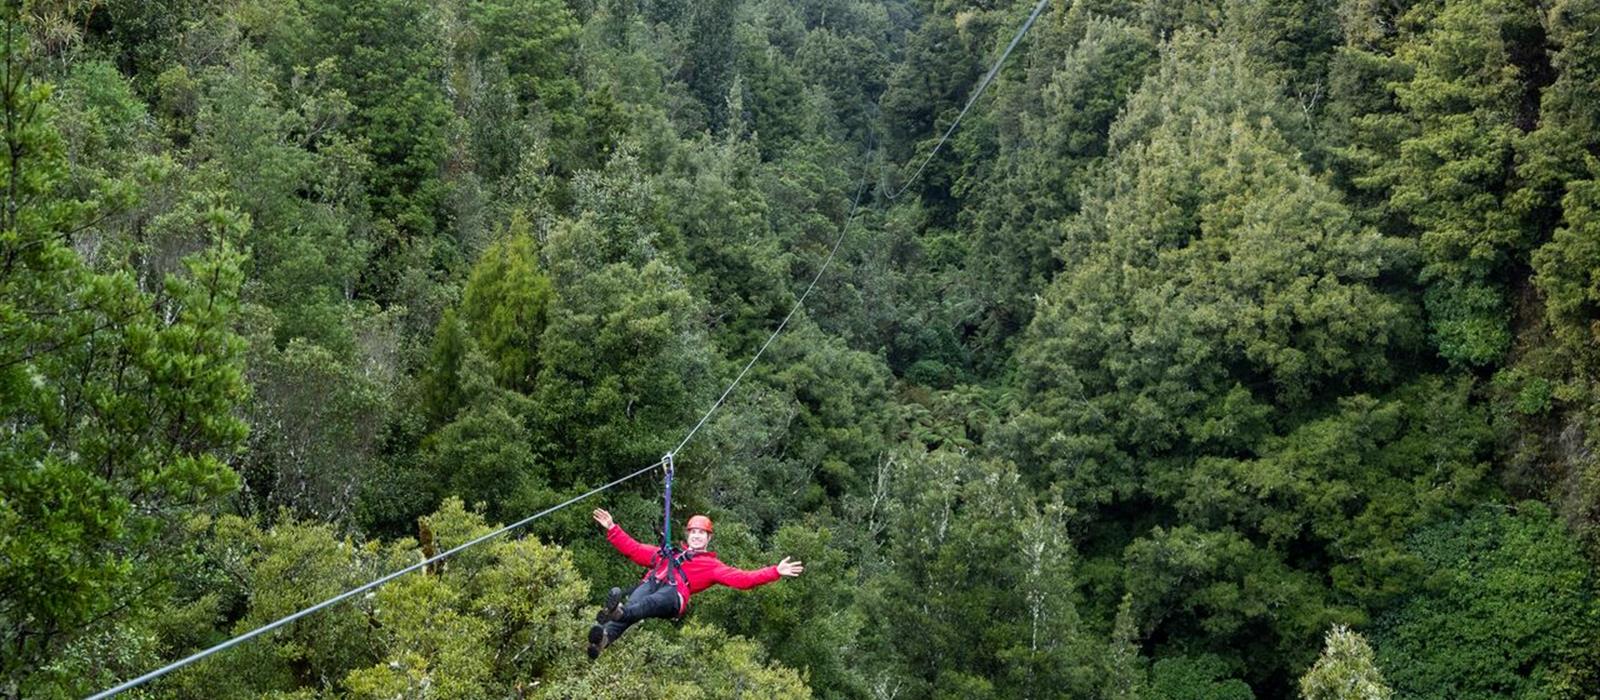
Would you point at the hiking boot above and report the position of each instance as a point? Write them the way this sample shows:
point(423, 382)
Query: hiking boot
point(612, 610)
point(597, 640)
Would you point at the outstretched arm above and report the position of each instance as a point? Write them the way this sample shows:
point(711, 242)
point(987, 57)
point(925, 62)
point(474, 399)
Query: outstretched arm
point(630, 548)
point(742, 579)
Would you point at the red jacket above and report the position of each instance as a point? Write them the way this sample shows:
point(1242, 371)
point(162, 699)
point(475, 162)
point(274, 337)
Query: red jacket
point(699, 573)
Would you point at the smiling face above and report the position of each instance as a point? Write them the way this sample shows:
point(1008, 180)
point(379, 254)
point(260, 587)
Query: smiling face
point(698, 538)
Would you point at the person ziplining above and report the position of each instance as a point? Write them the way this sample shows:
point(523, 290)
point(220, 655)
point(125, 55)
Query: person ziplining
point(671, 576)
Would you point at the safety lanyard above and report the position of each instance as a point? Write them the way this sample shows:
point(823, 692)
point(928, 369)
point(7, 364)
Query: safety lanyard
point(668, 553)
point(666, 509)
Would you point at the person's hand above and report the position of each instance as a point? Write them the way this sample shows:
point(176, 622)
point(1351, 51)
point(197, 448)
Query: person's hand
point(604, 518)
point(790, 568)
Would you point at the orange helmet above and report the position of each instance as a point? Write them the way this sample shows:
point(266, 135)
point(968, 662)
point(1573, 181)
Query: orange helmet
point(699, 521)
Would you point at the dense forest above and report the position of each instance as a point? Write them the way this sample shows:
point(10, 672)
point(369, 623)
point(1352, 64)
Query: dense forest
point(1228, 349)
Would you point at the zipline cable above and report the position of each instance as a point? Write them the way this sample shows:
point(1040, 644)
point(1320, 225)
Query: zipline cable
point(354, 591)
point(987, 78)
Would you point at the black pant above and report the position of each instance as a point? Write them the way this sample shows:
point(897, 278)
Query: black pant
point(648, 599)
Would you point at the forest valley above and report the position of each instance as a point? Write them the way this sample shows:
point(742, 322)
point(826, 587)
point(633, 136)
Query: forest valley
point(1229, 349)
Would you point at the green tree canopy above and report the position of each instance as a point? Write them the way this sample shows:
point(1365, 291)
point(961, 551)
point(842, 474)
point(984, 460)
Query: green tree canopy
point(118, 401)
point(1509, 611)
point(1345, 671)
point(504, 307)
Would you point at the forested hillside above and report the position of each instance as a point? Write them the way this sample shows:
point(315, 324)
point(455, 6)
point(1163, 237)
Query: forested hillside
point(1228, 349)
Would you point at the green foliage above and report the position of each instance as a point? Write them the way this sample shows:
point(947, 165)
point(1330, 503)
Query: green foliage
point(926, 81)
point(704, 661)
point(1050, 130)
point(1561, 374)
point(1555, 153)
point(1296, 38)
point(440, 382)
point(484, 628)
point(792, 442)
point(504, 307)
point(1126, 677)
point(1565, 270)
point(482, 624)
point(1266, 570)
point(433, 647)
point(1471, 323)
point(959, 621)
point(387, 59)
point(1509, 611)
point(317, 419)
point(1464, 99)
point(767, 99)
point(619, 359)
point(143, 33)
point(717, 223)
point(287, 568)
point(1353, 483)
point(520, 91)
point(285, 158)
point(1362, 123)
point(849, 67)
point(485, 454)
point(533, 39)
point(841, 414)
point(1345, 671)
point(102, 123)
point(1196, 678)
point(1207, 275)
point(1546, 392)
point(1220, 587)
point(118, 401)
point(708, 27)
